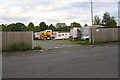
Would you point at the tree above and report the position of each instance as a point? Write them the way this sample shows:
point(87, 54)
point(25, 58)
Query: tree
point(36, 29)
point(112, 22)
point(16, 27)
point(75, 24)
point(108, 20)
point(4, 27)
point(12, 27)
point(0, 27)
point(97, 20)
point(31, 26)
point(43, 26)
point(52, 27)
point(20, 25)
point(85, 25)
point(64, 29)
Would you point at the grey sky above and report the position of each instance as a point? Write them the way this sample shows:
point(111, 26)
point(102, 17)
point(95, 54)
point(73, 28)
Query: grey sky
point(51, 12)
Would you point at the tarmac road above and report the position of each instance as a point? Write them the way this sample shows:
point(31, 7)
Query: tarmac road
point(68, 62)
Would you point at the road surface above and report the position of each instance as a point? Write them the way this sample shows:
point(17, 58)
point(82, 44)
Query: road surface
point(68, 62)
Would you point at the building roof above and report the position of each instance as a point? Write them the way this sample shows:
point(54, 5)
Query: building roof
point(108, 27)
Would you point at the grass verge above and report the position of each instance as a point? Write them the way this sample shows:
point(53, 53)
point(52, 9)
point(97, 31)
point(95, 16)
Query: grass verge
point(23, 47)
point(38, 48)
point(20, 47)
point(86, 42)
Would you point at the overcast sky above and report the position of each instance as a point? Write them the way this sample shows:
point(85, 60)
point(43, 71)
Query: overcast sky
point(54, 11)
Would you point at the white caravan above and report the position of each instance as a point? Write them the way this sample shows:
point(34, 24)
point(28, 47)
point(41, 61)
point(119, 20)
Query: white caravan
point(61, 35)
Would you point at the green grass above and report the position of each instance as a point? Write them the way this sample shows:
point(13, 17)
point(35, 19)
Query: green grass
point(38, 48)
point(86, 42)
point(114, 41)
point(20, 47)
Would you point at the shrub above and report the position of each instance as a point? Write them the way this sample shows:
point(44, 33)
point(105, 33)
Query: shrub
point(20, 47)
point(23, 47)
point(86, 42)
point(37, 48)
point(14, 47)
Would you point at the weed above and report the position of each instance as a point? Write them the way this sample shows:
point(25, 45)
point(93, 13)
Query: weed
point(86, 42)
point(37, 48)
point(20, 47)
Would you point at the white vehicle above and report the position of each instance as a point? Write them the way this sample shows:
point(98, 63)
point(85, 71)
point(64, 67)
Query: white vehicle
point(48, 31)
point(61, 35)
point(37, 35)
point(75, 33)
point(85, 38)
point(85, 32)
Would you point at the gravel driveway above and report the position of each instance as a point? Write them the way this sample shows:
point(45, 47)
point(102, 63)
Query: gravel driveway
point(51, 44)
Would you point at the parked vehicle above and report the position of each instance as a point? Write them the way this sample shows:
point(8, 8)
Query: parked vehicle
point(61, 35)
point(85, 32)
point(37, 35)
point(46, 35)
point(42, 34)
point(85, 38)
point(74, 33)
point(50, 35)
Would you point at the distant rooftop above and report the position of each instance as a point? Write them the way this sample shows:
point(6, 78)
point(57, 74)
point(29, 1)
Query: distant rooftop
point(108, 27)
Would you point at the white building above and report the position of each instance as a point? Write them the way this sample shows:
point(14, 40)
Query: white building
point(119, 13)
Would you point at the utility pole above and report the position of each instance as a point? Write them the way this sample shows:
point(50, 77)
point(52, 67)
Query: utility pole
point(92, 12)
point(119, 13)
point(91, 34)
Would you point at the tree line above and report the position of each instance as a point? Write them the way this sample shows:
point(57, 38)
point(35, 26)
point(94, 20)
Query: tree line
point(107, 20)
point(30, 27)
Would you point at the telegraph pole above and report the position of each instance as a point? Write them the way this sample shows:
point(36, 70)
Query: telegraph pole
point(91, 12)
point(91, 34)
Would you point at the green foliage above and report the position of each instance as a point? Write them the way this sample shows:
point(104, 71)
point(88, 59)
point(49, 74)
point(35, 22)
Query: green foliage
point(14, 27)
point(51, 27)
point(63, 29)
point(86, 42)
point(74, 24)
point(97, 20)
point(36, 28)
point(108, 20)
point(5, 28)
point(30, 26)
point(0, 27)
point(85, 25)
point(43, 26)
point(19, 47)
point(20, 27)
point(14, 47)
point(37, 48)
